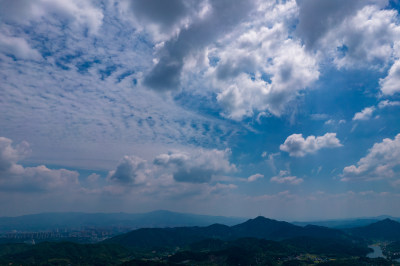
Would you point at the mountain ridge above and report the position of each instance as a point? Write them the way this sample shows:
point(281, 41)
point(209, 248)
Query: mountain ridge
point(259, 227)
point(158, 218)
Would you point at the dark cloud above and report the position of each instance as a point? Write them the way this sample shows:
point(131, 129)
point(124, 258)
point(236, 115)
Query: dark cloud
point(193, 175)
point(317, 17)
point(164, 13)
point(128, 170)
point(222, 17)
point(195, 167)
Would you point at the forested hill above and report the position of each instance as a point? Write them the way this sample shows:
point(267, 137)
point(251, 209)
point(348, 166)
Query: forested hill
point(387, 230)
point(259, 227)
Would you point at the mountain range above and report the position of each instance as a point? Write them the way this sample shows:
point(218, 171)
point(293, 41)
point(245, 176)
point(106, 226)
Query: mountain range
point(155, 219)
point(259, 227)
point(76, 220)
point(258, 241)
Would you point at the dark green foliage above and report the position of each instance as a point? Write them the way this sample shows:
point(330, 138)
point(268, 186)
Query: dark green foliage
point(245, 251)
point(296, 263)
point(170, 237)
point(143, 263)
point(210, 244)
point(64, 253)
point(328, 246)
point(253, 251)
point(358, 261)
point(392, 250)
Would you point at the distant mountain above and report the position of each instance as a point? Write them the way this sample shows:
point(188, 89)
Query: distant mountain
point(383, 230)
point(262, 227)
point(259, 227)
point(52, 221)
point(347, 223)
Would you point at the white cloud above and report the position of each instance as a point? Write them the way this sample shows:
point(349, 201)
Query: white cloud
point(319, 116)
point(171, 177)
point(198, 166)
point(254, 177)
point(379, 163)
point(354, 33)
point(262, 69)
point(78, 12)
point(130, 170)
point(73, 88)
point(335, 122)
point(317, 18)
point(367, 38)
point(290, 70)
point(15, 177)
point(387, 103)
point(258, 69)
point(221, 20)
point(391, 83)
point(365, 114)
point(297, 146)
point(284, 177)
point(17, 47)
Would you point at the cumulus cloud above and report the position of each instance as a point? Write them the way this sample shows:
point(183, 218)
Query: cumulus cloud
point(196, 167)
point(290, 70)
point(262, 69)
point(9, 155)
point(297, 146)
point(284, 177)
point(222, 16)
point(15, 177)
point(254, 177)
point(318, 17)
point(355, 34)
point(367, 39)
point(365, 114)
point(163, 19)
point(379, 163)
point(391, 83)
point(172, 176)
point(129, 170)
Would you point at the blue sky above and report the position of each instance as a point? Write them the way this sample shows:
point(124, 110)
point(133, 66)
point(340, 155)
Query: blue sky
point(288, 109)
